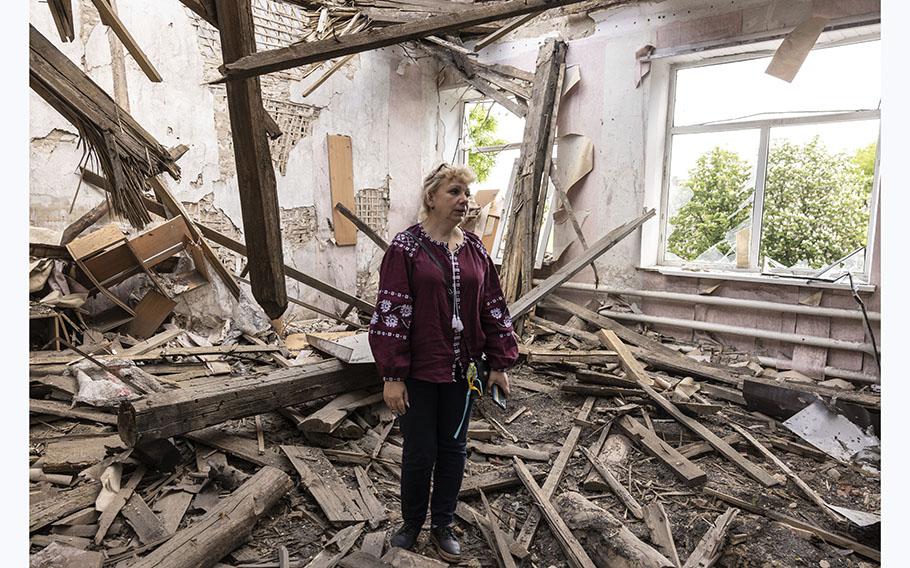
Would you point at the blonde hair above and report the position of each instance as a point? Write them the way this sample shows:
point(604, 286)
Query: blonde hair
point(443, 173)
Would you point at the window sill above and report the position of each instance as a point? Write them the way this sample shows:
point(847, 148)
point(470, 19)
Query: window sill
point(755, 278)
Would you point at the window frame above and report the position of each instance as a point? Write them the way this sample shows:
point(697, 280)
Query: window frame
point(764, 127)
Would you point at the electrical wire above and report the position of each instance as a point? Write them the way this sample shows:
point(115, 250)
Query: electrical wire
point(862, 306)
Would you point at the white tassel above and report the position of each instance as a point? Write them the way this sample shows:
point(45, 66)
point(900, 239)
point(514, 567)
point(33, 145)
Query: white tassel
point(456, 324)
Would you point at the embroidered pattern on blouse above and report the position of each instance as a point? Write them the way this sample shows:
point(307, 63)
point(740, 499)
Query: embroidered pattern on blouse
point(501, 314)
point(405, 241)
point(456, 336)
point(393, 379)
point(427, 236)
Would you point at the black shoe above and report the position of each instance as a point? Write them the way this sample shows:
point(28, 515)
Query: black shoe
point(446, 544)
point(406, 537)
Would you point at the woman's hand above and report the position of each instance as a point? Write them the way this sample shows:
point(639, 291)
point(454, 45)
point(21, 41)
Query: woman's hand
point(499, 378)
point(395, 394)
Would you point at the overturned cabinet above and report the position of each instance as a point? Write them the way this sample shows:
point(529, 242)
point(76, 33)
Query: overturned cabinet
point(107, 257)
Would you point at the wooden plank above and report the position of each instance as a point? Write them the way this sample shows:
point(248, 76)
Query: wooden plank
point(343, 541)
point(76, 228)
point(655, 517)
point(574, 266)
point(56, 408)
point(374, 506)
point(529, 527)
point(45, 358)
point(304, 53)
point(575, 553)
point(621, 492)
point(110, 18)
point(171, 508)
point(508, 451)
point(686, 471)
point(113, 508)
point(494, 479)
point(341, 183)
point(324, 484)
point(652, 352)
point(373, 543)
point(797, 480)
point(710, 547)
point(62, 12)
point(149, 528)
point(255, 172)
point(754, 471)
point(567, 356)
point(504, 30)
point(151, 311)
point(360, 224)
point(330, 416)
point(47, 511)
point(362, 559)
point(244, 448)
point(502, 547)
point(630, 365)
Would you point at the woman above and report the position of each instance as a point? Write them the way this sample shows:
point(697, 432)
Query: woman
point(439, 305)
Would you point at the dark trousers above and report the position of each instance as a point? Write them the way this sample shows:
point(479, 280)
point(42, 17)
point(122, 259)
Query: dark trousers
point(431, 450)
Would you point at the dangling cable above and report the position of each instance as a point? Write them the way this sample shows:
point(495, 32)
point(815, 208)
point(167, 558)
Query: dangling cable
point(862, 306)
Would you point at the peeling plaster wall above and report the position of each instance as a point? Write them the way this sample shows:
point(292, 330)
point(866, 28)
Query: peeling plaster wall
point(606, 107)
point(382, 99)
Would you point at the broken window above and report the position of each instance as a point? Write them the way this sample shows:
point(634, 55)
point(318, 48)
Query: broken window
point(768, 176)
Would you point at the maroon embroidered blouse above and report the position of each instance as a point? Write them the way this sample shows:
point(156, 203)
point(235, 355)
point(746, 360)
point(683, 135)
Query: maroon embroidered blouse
point(411, 333)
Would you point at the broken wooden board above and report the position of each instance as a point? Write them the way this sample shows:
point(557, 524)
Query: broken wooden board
point(343, 541)
point(330, 416)
point(574, 266)
point(658, 524)
point(618, 489)
point(149, 528)
point(324, 484)
point(529, 527)
point(75, 454)
point(597, 356)
point(495, 479)
point(171, 508)
point(47, 511)
point(686, 471)
point(151, 311)
point(244, 448)
point(575, 553)
point(341, 184)
point(374, 507)
point(56, 408)
point(352, 349)
point(711, 546)
point(508, 451)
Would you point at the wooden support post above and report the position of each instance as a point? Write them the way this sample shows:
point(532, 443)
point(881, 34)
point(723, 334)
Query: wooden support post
point(518, 261)
point(255, 173)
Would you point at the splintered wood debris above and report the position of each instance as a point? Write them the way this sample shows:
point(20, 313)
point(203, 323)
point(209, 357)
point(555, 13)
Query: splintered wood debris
point(674, 487)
